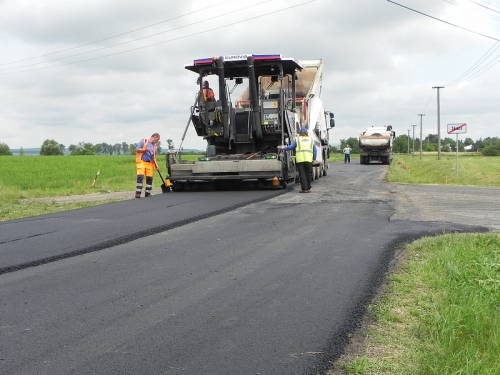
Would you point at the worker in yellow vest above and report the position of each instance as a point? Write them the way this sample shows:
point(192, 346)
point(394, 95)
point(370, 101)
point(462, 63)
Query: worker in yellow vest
point(305, 153)
point(145, 162)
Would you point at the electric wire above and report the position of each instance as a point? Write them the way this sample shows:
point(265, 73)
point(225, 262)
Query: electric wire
point(428, 103)
point(486, 7)
point(166, 41)
point(137, 39)
point(440, 20)
point(117, 35)
point(471, 72)
point(482, 9)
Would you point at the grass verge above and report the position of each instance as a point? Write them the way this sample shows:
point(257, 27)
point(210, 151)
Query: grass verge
point(439, 313)
point(473, 170)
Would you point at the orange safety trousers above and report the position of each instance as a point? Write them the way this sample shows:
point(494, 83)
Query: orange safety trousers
point(145, 168)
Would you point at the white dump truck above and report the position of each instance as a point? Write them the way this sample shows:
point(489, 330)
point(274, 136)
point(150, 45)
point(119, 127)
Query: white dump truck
point(375, 144)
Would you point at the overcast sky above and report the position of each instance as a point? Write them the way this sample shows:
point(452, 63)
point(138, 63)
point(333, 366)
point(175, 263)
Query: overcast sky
point(113, 70)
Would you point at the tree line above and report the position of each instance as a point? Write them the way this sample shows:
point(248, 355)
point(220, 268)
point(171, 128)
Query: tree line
point(489, 146)
point(52, 147)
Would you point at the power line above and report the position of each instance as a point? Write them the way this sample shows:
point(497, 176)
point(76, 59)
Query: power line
point(484, 6)
point(429, 101)
point(166, 41)
point(440, 20)
point(137, 39)
point(474, 67)
point(469, 74)
point(117, 35)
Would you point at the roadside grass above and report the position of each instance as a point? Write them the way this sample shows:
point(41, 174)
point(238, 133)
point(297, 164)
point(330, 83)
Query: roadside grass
point(439, 314)
point(473, 169)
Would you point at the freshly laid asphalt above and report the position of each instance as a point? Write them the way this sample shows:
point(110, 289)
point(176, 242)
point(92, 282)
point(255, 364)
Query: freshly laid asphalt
point(249, 282)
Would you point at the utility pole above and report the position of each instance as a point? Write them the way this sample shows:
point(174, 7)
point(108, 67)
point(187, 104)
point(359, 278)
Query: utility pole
point(421, 134)
point(413, 140)
point(439, 121)
point(408, 151)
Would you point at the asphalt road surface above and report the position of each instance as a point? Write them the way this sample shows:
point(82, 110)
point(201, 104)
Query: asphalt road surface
point(260, 282)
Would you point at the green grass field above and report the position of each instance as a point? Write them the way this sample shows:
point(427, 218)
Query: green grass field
point(473, 169)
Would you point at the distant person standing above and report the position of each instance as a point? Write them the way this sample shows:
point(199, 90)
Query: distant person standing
point(347, 154)
point(145, 162)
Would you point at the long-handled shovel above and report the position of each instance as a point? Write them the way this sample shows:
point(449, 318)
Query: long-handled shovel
point(164, 187)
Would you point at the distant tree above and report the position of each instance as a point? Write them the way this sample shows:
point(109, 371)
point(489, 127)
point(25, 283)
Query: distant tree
point(83, 148)
point(333, 149)
point(117, 149)
point(158, 147)
point(5, 149)
point(468, 141)
point(448, 144)
point(430, 140)
point(400, 144)
point(429, 147)
point(479, 144)
point(490, 151)
point(99, 149)
point(21, 151)
point(51, 147)
point(131, 148)
point(491, 146)
point(125, 148)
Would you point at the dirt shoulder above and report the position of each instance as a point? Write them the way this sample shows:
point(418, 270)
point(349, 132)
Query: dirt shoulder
point(98, 197)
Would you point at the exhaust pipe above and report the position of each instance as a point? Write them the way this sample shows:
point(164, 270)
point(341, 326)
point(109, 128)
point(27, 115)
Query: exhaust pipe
point(254, 98)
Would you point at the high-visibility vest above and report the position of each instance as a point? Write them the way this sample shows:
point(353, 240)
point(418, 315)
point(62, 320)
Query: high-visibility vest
point(304, 149)
point(144, 148)
point(208, 94)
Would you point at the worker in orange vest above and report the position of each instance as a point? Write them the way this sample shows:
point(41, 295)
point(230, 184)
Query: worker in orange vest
point(208, 93)
point(145, 161)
